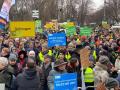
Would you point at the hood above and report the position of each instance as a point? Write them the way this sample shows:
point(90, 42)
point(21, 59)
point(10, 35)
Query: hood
point(100, 66)
point(30, 73)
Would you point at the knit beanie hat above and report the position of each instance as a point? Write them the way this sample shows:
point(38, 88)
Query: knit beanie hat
point(104, 60)
point(12, 57)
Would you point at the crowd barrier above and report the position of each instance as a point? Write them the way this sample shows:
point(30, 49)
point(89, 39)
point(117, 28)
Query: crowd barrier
point(87, 88)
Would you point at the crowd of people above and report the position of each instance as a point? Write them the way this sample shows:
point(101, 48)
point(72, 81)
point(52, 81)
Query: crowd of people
point(29, 64)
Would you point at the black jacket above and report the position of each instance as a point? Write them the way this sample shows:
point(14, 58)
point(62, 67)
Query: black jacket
point(28, 80)
point(46, 74)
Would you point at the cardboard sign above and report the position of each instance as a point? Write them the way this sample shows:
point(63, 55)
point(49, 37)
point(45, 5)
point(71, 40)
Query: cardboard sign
point(56, 39)
point(22, 29)
point(84, 57)
point(65, 81)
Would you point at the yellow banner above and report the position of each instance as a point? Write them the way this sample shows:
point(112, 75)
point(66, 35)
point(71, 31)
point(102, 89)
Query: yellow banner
point(19, 29)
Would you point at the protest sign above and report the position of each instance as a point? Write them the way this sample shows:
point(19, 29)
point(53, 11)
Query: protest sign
point(85, 31)
point(55, 25)
point(84, 57)
point(38, 26)
point(105, 25)
point(65, 81)
point(56, 39)
point(2, 86)
point(48, 25)
point(71, 31)
point(22, 29)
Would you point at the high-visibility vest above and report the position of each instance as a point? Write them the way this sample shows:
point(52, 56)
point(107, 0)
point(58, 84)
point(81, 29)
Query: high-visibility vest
point(89, 75)
point(50, 53)
point(41, 56)
point(94, 55)
point(68, 56)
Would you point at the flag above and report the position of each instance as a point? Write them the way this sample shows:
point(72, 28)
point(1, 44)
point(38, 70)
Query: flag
point(4, 12)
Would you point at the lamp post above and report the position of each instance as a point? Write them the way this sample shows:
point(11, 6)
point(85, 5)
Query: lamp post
point(104, 9)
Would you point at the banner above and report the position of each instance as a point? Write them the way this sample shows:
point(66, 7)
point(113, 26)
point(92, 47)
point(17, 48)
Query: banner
point(85, 31)
point(66, 81)
point(56, 39)
point(22, 29)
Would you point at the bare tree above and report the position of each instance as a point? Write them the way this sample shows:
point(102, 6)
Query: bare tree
point(51, 9)
point(1, 3)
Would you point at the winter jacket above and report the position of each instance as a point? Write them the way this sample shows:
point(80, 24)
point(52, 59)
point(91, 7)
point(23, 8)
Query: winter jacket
point(101, 73)
point(15, 69)
point(46, 74)
point(28, 80)
point(6, 77)
point(51, 78)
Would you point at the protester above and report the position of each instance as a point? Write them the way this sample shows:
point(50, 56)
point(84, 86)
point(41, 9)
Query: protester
point(59, 68)
point(29, 79)
point(101, 69)
point(46, 67)
point(74, 67)
point(5, 52)
point(6, 73)
point(13, 64)
point(22, 59)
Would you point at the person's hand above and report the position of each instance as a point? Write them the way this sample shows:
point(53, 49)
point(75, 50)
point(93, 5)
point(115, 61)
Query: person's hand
point(114, 69)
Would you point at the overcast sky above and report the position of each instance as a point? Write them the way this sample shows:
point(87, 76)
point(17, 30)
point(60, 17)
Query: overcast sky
point(98, 3)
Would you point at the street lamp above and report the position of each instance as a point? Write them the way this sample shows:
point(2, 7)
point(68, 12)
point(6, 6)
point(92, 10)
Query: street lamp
point(104, 9)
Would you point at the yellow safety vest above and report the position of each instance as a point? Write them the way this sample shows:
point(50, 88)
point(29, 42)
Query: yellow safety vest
point(89, 75)
point(50, 53)
point(94, 55)
point(68, 56)
point(41, 56)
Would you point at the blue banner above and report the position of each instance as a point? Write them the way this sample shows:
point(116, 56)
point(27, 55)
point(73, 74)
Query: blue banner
point(66, 81)
point(56, 39)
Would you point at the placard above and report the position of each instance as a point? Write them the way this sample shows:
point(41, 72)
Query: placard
point(56, 39)
point(66, 81)
point(21, 29)
point(84, 57)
